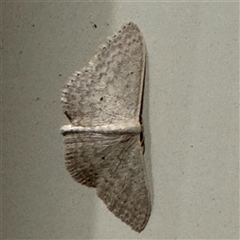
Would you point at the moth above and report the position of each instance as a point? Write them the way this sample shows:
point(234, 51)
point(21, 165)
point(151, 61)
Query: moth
point(104, 141)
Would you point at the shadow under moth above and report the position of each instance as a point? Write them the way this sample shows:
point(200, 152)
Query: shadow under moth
point(104, 143)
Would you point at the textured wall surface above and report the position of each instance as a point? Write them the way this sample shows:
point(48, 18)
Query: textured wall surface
point(190, 118)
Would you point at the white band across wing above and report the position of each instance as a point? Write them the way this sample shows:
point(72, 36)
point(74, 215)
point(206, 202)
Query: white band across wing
point(122, 127)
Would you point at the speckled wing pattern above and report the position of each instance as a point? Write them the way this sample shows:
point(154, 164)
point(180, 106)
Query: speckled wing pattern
point(104, 147)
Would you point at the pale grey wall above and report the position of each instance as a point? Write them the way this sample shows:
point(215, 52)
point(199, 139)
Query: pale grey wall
point(190, 116)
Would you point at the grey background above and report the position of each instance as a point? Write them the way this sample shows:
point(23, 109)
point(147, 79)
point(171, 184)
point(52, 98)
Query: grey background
point(190, 117)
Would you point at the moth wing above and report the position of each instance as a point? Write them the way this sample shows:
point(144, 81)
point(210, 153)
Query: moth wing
point(81, 157)
point(109, 90)
point(123, 184)
point(114, 164)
